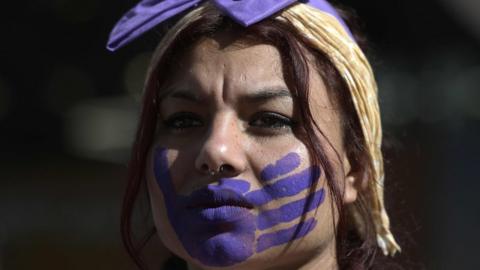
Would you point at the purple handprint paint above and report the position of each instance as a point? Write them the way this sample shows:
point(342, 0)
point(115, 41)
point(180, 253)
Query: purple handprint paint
point(286, 187)
point(289, 211)
point(281, 237)
point(284, 165)
point(217, 223)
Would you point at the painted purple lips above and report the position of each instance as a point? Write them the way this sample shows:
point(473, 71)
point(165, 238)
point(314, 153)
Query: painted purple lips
point(214, 197)
point(216, 204)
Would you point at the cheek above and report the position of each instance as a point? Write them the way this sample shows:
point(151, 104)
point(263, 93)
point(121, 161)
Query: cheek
point(284, 226)
point(265, 152)
point(326, 219)
point(181, 165)
point(315, 241)
point(159, 213)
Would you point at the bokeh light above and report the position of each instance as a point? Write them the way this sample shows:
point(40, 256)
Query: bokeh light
point(398, 101)
point(102, 129)
point(465, 85)
point(443, 96)
point(466, 12)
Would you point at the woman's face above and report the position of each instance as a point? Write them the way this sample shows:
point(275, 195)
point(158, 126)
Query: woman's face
point(228, 176)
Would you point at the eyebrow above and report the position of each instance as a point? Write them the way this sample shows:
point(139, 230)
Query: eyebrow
point(261, 95)
point(181, 94)
point(265, 94)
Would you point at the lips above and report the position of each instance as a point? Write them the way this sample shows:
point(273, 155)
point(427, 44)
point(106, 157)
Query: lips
point(215, 197)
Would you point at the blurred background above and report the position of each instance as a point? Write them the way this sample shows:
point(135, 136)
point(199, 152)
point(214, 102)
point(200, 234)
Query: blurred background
point(68, 111)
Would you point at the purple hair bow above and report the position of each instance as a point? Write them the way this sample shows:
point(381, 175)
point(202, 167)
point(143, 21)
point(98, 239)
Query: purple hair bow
point(149, 13)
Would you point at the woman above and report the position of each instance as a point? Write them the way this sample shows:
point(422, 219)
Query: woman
point(259, 138)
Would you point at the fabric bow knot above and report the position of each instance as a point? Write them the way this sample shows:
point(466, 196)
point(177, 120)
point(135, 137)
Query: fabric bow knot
point(149, 13)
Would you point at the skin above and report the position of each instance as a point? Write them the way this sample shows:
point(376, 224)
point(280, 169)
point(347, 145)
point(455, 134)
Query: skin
point(240, 115)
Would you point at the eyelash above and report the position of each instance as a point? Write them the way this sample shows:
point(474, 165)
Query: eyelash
point(262, 122)
point(178, 121)
point(271, 120)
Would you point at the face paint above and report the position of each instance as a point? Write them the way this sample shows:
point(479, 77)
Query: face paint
point(289, 211)
point(284, 165)
point(216, 224)
point(280, 237)
point(286, 187)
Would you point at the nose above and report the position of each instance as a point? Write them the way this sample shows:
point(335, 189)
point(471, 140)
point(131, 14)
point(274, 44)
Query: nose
point(222, 153)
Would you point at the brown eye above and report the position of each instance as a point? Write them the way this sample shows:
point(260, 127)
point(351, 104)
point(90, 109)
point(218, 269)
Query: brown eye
point(183, 120)
point(271, 120)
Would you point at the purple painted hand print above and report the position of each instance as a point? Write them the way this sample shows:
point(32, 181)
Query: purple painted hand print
point(217, 224)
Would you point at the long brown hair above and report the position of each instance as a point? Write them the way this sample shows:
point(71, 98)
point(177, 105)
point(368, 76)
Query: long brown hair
point(353, 251)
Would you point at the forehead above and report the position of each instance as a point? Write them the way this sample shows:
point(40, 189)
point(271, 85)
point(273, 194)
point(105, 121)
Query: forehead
point(216, 46)
point(225, 62)
point(232, 58)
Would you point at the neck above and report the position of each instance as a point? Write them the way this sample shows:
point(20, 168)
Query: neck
point(324, 260)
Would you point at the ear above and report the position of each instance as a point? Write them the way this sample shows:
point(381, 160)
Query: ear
point(351, 182)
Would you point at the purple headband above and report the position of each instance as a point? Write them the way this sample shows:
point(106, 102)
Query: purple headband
point(149, 13)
